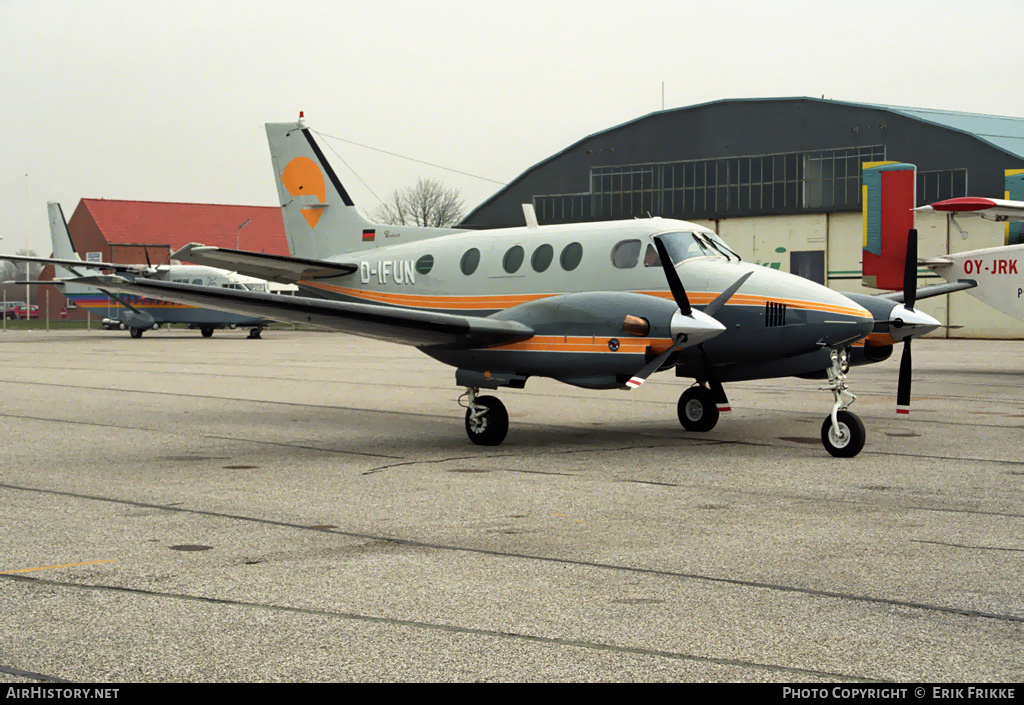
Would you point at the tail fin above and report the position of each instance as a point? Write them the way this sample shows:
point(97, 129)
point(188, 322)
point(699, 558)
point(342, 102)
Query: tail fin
point(1014, 192)
point(888, 199)
point(60, 239)
point(320, 219)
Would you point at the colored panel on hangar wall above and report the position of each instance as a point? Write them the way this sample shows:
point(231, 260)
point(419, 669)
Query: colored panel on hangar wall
point(888, 199)
point(1014, 192)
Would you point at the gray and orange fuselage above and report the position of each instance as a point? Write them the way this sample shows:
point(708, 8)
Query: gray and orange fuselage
point(574, 284)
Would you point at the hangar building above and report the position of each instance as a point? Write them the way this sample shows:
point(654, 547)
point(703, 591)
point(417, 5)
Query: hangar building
point(780, 180)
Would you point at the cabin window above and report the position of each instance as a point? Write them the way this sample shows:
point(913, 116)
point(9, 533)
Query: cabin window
point(513, 259)
point(470, 261)
point(197, 281)
point(626, 254)
point(424, 264)
point(571, 256)
point(542, 257)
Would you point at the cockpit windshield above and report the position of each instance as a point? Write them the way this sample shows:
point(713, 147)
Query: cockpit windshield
point(686, 245)
point(719, 244)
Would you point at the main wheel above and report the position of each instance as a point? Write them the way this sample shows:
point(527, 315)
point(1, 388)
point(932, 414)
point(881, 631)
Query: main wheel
point(207, 332)
point(135, 332)
point(487, 429)
point(697, 409)
point(255, 333)
point(849, 440)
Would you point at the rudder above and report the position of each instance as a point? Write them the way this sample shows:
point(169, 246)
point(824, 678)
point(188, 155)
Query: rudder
point(888, 198)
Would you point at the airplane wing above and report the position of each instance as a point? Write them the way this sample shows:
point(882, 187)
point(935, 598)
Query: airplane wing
point(393, 324)
point(991, 208)
point(933, 290)
point(69, 263)
point(35, 282)
point(278, 268)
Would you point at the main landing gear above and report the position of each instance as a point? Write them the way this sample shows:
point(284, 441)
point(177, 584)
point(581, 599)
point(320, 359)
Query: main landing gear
point(697, 409)
point(486, 418)
point(842, 433)
point(254, 333)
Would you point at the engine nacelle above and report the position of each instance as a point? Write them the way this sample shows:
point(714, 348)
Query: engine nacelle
point(870, 353)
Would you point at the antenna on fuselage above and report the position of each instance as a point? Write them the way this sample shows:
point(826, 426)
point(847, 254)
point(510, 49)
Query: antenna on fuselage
point(530, 215)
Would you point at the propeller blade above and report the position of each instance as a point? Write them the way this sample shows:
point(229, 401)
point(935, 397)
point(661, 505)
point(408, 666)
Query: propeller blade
point(903, 389)
point(674, 283)
point(910, 271)
point(653, 366)
point(712, 308)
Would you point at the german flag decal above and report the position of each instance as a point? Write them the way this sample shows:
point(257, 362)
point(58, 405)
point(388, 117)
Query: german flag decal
point(369, 235)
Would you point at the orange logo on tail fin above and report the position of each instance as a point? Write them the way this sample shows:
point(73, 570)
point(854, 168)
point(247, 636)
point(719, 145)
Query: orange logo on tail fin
point(302, 177)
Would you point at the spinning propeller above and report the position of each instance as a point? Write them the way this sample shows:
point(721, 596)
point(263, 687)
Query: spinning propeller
point(688, 327)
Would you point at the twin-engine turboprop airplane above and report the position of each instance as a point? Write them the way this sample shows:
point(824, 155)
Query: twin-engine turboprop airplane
point(141, 313)
point(598, 305)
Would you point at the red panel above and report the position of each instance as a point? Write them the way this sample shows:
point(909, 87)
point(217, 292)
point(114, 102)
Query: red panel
point(897, 203)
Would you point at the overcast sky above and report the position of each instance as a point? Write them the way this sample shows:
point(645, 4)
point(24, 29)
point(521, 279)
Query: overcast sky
point(165, 101)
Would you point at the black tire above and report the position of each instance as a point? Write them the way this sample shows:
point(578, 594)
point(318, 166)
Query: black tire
point(697, 409)
point(135, 332)
point(207, 332)
point(853, 438)
point(256, 333)
point(490, 429)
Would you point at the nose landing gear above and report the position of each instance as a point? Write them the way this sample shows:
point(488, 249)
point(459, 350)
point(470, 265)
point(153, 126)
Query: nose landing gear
point(486, 418)
point(842, 433)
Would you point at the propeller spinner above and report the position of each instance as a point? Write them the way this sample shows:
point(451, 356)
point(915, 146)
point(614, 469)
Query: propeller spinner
point(688, 327)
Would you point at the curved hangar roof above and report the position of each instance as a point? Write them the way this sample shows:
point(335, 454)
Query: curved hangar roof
point(757, 156)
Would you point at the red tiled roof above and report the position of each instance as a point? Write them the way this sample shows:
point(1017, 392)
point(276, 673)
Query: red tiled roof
point(177, 224)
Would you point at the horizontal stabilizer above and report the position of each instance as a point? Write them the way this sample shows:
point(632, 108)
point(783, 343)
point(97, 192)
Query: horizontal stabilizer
point(278, 268)
point(994, 208)
point(934, 290)
point(393, 324)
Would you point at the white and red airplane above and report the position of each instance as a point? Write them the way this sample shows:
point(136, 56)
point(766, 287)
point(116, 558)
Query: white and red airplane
point(998, 271)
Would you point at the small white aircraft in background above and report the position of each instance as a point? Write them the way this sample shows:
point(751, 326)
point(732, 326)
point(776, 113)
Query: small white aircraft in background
point(140, 313)
point(998, 271)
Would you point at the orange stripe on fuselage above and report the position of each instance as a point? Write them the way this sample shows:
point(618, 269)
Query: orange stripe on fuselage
point(499, 302)
point(578, 344)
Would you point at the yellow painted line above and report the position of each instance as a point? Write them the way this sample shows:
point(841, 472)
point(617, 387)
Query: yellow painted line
point(51, 567)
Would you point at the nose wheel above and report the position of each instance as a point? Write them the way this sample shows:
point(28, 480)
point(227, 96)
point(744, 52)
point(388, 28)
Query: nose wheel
point(842, 432)
point(486, 419)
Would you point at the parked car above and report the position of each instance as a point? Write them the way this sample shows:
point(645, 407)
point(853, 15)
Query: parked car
point(9, 307)
point(26, 312)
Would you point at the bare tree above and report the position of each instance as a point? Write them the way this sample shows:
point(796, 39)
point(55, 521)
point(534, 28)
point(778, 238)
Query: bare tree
point(26, 270)
point(429, 204)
